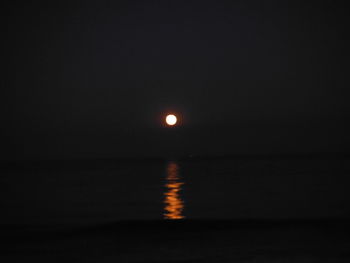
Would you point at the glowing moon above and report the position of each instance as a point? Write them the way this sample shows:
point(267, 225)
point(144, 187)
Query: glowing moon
point(171, 119)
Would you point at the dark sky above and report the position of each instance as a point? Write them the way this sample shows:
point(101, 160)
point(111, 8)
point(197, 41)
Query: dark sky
point(92, 79)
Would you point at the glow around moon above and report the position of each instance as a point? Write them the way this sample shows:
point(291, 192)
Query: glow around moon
point(171, 119)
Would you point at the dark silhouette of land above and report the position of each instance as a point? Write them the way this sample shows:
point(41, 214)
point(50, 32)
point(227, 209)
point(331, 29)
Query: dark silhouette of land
point(181, 241)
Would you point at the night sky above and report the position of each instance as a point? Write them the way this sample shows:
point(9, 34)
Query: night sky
point(93, 79)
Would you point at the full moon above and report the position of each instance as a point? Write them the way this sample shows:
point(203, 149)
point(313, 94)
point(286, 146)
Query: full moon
point(171, 119)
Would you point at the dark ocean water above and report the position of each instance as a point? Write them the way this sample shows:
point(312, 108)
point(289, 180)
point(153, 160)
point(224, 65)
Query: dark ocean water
point(214, 210)
point(108, 191)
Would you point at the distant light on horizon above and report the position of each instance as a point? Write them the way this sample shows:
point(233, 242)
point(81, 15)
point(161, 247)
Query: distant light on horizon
point(171, 119)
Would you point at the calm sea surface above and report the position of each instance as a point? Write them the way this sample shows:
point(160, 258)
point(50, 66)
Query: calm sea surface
point(100, 192)
point(176, 211)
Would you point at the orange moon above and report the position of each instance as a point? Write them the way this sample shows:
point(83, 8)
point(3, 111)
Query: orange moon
point(171, 119)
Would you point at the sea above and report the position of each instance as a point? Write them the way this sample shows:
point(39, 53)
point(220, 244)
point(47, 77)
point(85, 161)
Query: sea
point(223, 209)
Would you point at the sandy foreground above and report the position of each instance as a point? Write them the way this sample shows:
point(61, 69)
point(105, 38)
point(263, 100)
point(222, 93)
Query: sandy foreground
point(180, 241)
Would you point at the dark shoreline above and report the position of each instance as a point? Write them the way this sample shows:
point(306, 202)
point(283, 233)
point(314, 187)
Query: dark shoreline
point(181, 241)
point(11, 230)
